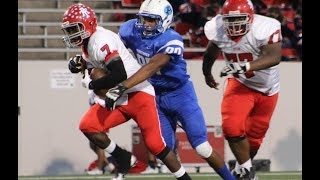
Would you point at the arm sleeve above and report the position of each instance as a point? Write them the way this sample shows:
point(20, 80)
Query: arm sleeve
point(117, 74)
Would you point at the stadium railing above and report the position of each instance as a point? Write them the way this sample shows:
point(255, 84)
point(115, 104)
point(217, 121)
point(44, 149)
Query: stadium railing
point(45, 36)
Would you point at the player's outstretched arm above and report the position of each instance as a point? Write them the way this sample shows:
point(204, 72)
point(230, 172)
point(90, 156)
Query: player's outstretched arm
point(146, 71)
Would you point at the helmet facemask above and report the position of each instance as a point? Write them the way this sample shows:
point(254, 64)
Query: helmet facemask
point(79, 22)
point(148, 31)
point(154, 17)
point(75, 34)
point(236, 24)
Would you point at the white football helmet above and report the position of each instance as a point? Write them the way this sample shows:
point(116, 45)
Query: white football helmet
point(160, 10)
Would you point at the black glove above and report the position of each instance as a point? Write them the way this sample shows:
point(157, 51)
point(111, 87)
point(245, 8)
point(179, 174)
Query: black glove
point(76, 64)
point(234, 68)
point(113, 95)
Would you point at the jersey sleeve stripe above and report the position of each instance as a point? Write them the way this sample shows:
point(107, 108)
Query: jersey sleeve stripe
point(173, 42)
point(109, 56)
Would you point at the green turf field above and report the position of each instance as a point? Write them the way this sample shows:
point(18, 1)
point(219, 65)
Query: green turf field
point(195, 176)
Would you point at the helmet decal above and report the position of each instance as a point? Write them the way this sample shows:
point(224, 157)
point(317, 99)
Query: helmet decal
point(79, 22)
point(84, 12)
point(168, 11)
point(250, 4)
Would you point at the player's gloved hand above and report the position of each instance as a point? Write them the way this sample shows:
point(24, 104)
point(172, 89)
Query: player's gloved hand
point(76, 64)
point(113, 95)
point(86, 79)
point(235, 68)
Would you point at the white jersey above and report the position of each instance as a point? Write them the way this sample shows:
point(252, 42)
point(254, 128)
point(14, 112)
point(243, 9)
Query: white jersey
point(263, 31)
point(105, 44)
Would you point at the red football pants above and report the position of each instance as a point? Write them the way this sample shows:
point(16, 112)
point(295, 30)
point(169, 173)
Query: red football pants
point(141, 108)
point(246, 112)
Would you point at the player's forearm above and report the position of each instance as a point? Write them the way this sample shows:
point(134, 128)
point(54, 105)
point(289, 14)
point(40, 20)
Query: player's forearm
point(271, 56)
point(207, 64)
point(145, 72)
point(117, 74)
point(264, 62)
point(209, 57)
point(141, 75)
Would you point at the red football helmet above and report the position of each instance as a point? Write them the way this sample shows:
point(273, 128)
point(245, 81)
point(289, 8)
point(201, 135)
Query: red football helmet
point(237, 16)
point(79, 22)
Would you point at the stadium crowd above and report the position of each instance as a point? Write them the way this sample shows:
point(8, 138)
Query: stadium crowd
point(191, 15)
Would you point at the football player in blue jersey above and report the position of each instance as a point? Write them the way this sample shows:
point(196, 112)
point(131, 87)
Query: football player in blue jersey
point(159, 49)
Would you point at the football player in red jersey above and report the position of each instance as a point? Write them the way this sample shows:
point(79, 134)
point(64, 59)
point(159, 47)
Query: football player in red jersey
point(251, 47)
point(102, 48)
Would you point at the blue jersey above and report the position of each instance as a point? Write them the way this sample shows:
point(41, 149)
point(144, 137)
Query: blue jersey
point(172, 75)
point(176, 97)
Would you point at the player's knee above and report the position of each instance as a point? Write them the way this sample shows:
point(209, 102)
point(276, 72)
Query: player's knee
point(255, 143)
point(204, 150)
point(255, 146)
point(231, 130)
point(92, 146)
point(163, 153)
point(84, 126)
point(171, 145)
point(235, 139)
point(154, 146)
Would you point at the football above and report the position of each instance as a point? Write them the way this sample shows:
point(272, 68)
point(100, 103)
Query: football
point(97, 73)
